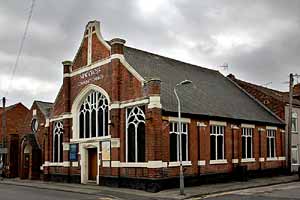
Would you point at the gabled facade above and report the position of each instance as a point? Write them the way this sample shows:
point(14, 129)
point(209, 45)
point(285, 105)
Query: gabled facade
point(32, 142)
point(278, 102)
point(114, 120)
point(14, 115)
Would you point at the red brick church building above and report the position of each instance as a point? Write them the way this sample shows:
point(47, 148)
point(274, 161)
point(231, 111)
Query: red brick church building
point(114, 121)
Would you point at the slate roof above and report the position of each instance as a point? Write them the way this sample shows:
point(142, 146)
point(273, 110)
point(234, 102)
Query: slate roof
point(45, 107)
point(278, 95)
point(211, 94)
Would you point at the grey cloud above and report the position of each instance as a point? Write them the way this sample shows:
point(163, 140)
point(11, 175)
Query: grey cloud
point(186, 30)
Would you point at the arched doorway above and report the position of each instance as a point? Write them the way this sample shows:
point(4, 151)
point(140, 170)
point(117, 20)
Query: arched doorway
point(30, 158)
point(26, 161)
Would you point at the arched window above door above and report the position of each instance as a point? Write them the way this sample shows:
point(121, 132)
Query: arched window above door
point(93, 116)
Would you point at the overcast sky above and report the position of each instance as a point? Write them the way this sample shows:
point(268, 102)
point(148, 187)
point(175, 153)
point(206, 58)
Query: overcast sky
point(260, 40)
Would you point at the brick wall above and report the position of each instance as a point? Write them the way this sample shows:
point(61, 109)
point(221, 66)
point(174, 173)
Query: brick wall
point(14, 119)
point(38, 150)
point(121, 85)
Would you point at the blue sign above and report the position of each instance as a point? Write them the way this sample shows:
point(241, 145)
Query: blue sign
point(73, 152)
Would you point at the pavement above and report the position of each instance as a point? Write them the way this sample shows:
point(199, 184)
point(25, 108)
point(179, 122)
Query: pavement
point(285, 191)
point(124, 193)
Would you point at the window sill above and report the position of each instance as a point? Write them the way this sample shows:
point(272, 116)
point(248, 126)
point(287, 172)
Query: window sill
point(134, 164)
point(149, 164)
point(272, 159)
point(78, 140)
point(201, 162)
point(245, 160)
point(295, 132)
point(54, 164)
point(281, 158)
point(177, 163)
point(216, 162)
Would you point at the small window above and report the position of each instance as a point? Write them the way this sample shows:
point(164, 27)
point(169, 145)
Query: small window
point(217, 142)
point(294, 122)
point(295, 155)
point(271, 143)
point(247, 151)
point(34, 125)
point(174, 141)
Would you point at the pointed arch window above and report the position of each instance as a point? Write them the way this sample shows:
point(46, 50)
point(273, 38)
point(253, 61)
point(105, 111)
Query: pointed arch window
point(58, 129)
point(93, 116)
point(135, 134)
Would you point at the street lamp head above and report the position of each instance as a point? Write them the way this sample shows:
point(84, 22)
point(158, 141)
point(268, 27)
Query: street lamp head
point(185, 82)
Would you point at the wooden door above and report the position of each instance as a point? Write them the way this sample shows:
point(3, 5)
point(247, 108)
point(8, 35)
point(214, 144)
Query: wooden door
point(26, 165)
point(92, 164)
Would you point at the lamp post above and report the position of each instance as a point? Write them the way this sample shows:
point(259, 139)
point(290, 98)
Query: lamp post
point(180, 138)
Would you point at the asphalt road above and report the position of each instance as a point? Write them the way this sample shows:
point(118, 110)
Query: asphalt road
point(277, 192)
point(12, 192)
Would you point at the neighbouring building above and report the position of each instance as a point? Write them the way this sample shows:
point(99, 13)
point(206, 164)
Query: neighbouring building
point(114, 121)
point(32, 142)
point(278, 102)
point(14, 115)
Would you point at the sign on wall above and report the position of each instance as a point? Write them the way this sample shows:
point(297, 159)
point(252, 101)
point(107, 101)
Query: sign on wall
point(73, 152)
point(90, 76)
point(105, 150)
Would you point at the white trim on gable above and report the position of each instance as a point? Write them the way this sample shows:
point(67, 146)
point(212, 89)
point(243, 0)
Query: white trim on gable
point(104, 62)
point(96, 24)
point(128, 67)
point(99, 35)
point(89, 67)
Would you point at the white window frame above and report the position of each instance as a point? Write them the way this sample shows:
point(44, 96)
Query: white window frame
point(93, 105)
point(295, 119)
point(172, 123)
point(246, 133)
point(136, 122)
point(220, 131)
point(295, 148)
point(271, 134)
point(58, 129)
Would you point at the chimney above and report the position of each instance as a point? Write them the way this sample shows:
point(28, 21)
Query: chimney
point(296, 91)
point(117, 46)
point(67, 66)
point(67, 85)
point(152, 87)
